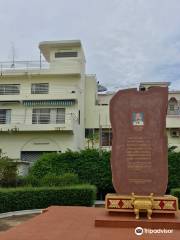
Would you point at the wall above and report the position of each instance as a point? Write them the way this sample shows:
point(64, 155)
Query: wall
point(96, 115)
point(173, 141)
point(13, 144)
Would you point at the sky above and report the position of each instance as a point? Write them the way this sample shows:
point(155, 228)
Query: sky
point(125, 41)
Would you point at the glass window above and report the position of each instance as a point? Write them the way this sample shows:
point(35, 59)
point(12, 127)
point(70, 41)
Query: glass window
point(48, 116)
point(5, 116)
point(9, 89)
point(39, 88)
point(106, 137)
point(173, 104)
point(65, 54)
point(171, 107)
point(41, 116)
point(60, 116)
point(89, 132)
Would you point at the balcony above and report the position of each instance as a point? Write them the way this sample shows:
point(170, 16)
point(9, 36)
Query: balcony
point(173, 119)
point(174, 113)
point(22, 66)
point(63, 94)
point(37, 122)
point(63, 66)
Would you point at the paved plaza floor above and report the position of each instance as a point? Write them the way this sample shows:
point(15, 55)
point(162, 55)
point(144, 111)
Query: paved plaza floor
point(74, 223)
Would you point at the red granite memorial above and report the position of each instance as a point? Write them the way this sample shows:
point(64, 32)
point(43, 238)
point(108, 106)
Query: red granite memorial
point(139, 152)
point(139, 148)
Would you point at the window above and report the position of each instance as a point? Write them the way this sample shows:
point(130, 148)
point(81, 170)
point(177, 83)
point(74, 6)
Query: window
point(9, 89)
point(173, 104)
point(41, 116)
point(32, 156)
point(175, 132)
point(89, 132)
point(39, 88)
point(65, 54)
point(60, 116)
point(106, 137)
point(48, 116)
point(171, 107)
point(5, 116)
point(92, 137)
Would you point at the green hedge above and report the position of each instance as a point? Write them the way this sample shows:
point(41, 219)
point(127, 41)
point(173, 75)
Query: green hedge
point(94, 168)
point(91, 166)
point(174, 170)
point(176, 192)
point(66, 179)
point(49, 180)
point(14, 199)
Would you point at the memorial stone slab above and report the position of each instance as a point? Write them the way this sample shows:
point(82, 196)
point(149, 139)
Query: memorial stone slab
point(139, 146)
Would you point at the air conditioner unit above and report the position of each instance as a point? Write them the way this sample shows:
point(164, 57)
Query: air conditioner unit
point(175, 133)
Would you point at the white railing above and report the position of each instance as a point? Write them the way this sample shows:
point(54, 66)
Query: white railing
point(174, 112)
point(48, 118)
point(17, 119)
point(23, 65)
point(26, 93)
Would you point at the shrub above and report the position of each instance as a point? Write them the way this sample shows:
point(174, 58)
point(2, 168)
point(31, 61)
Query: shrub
point(61, 180)
point(94, 168)
point(54, 163)
point(176, 192)
point(49, 180)
point(8, 172)
point(174, 170)
point(14, 199)
point(91, 167)
point(27, 181)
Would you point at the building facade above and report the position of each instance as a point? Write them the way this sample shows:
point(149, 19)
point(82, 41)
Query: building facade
point(99, 124)
point(54, 105)
point(42, 104)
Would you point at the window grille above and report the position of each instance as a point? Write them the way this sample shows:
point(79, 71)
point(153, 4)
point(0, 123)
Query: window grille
point(9, 89)
point(106, 137)
point(5, 116)
point(39, 88)
point(48, 116)
point(32, 156)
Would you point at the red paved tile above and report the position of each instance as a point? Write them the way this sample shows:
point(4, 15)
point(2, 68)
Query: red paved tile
point(74, 223)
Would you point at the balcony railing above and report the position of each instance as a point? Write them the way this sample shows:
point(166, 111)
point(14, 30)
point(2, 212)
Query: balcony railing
point(37, 122)
point(48, 118)
point(173, 113)
point(23, 65)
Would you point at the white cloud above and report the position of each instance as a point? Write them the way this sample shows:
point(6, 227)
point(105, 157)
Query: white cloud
point(125, 41)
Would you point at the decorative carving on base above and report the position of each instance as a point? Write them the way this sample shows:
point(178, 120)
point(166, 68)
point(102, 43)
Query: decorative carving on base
point(137, 203)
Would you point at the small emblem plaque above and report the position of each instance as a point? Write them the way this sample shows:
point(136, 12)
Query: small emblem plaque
point(138, 119)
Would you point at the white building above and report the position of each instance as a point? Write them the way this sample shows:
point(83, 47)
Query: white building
point(42, 106)
point(54, 105)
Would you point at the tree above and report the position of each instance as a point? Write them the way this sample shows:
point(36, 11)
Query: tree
point(8, 171)
point(92, 139)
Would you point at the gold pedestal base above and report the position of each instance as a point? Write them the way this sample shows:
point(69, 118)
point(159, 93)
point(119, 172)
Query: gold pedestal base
point(136, 203)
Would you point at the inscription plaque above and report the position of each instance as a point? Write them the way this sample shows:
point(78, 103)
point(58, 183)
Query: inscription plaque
point(139, 145)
